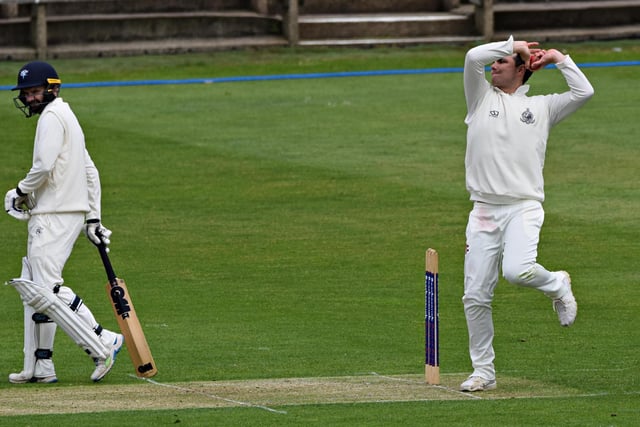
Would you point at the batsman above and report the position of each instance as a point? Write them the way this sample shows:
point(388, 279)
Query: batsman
point(59, 198)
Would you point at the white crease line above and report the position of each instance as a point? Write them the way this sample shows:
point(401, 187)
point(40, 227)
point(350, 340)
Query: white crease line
point(441, 387)
point(472, 396)
point(213, 396)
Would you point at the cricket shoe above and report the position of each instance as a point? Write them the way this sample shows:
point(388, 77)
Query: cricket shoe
point(566, 306)
point(103, 366)
point(475, 383)
point(21, 378)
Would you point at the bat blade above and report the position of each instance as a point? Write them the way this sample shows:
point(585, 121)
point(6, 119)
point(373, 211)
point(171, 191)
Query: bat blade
point(130, 327)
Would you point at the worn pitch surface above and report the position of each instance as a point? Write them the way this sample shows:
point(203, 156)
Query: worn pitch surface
point(272, 395)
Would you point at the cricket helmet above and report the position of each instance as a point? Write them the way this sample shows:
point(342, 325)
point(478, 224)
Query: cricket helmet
point(34, 74)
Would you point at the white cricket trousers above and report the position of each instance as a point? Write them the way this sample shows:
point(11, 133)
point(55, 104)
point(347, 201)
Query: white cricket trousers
point(51, 240)
point(507, 234)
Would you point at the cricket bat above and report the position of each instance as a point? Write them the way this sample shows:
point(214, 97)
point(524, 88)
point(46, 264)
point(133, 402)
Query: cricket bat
point(128, 320)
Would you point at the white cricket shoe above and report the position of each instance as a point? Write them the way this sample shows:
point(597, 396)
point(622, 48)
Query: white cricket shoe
point(103, 366)
point(475, 383)
point(566, 306)
point(21, 378)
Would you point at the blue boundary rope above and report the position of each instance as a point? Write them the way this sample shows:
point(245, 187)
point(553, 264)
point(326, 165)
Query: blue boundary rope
point(304, 76)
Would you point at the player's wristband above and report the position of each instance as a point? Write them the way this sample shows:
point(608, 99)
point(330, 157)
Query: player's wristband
point(19, 192)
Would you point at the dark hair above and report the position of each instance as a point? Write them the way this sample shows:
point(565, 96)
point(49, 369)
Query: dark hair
point(527, 72)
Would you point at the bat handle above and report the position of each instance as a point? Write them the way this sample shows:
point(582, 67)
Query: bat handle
point(111, 275)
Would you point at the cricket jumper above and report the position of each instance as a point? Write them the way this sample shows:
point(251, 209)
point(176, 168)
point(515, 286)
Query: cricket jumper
point(507, 133)
point(63, 177)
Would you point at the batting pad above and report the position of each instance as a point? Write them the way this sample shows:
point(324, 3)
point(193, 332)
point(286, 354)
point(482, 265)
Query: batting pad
point(44, 301)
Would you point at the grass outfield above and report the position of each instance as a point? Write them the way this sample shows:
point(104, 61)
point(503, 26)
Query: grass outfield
point(272, 235)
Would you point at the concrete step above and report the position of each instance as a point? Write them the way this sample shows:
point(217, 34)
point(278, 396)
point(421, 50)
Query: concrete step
point(573, 34)
point(391, 41)
point(564, 14)
point(335, 7)
point(184, 30)
point(148, 47)
point(100, 28)
point(79, 7)
point(397, 25)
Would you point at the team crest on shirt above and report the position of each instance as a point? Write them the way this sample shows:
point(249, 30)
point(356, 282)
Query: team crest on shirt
point(527, 117)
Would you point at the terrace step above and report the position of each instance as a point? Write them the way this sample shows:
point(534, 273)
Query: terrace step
point(391, 41)
point(516, 17)
point(100, 28)
point(147, 47)
point(573, 34)
point(396, 25)
point(84, 7)
point(123, 27)
point(342, 7)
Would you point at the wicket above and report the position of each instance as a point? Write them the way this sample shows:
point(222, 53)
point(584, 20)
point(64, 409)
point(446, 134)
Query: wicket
point(431, 318)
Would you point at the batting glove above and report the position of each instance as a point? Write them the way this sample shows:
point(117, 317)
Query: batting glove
point(17, 204)
point(97, 233)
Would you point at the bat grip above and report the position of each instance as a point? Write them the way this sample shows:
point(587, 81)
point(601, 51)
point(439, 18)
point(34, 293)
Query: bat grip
point(111, 275)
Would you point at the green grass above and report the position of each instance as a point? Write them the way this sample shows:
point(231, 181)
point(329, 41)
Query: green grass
point(277, 229)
